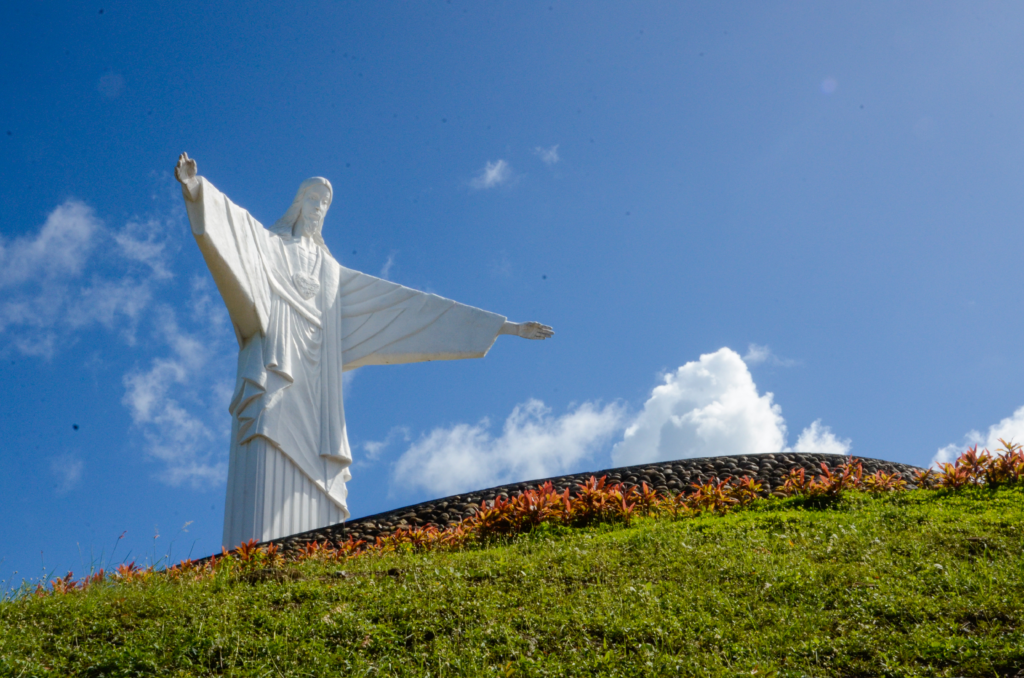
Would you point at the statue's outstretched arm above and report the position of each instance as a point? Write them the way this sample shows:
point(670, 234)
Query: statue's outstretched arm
point(530, 330)
point(185, 172)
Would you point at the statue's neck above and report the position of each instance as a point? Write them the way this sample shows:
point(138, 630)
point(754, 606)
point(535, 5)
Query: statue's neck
point(300, 232)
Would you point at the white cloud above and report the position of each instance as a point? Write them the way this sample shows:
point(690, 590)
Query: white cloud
point(55, 284)
point(533, 444)
point(819, 438)
point(493, 174)
point(112, 304)
point(549, 156)
point(67, 469)
point(711, 407)
point(1010, 429)
point(59, 250)
point(145, 242)
point(757, 354)
point(374, 448)
point(385, 270)
point(179, 404)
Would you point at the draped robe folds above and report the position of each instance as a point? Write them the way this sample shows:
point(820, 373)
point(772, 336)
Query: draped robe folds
point(289, 445)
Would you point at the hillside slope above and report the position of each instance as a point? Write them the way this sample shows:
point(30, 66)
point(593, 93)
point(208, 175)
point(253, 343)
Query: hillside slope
point(914, 583)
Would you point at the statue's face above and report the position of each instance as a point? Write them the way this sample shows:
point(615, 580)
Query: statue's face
point(314, 207)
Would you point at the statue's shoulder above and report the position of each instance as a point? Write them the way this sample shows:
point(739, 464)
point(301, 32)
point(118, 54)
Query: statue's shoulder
point(344, 274)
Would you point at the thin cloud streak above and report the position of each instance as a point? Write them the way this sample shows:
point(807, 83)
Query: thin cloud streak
point(757, 355)
point(385, 270)
point(549, 156)
point(493, 174)
point(67, 469)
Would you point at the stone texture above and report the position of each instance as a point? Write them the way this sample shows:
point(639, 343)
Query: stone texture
point(668, 476)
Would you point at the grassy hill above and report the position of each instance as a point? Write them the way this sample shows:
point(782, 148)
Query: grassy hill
point(925, 582)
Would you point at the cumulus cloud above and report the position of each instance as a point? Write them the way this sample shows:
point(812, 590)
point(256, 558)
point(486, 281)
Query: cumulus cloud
point(67, 469)
point(493, 174)
point(819, 438)
point(532, 444)
point(179, 403)
point(757, 354)
point(549, 156)
point(1010, 429)
point(711, 407)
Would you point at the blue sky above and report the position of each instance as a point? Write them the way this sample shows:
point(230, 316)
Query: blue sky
point(823, 201)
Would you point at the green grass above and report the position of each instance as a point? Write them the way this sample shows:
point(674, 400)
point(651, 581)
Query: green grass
point(918, 583)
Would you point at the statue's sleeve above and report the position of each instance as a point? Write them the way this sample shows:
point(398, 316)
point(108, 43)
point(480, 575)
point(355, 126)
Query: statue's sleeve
point(386, 324)
point(233, 245)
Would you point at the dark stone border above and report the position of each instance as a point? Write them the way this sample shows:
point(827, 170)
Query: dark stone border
point(666, 476)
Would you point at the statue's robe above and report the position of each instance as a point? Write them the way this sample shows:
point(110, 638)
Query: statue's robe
point(289, 446)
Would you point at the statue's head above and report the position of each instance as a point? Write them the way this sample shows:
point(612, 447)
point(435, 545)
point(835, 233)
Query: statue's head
point(307, 211)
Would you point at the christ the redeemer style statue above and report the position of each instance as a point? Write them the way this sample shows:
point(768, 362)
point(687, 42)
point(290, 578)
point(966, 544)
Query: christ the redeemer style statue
point(301, 319)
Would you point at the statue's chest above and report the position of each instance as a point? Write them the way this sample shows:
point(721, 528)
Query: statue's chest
point(304, 264)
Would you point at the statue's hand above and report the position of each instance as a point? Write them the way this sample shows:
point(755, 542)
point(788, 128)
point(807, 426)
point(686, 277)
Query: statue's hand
point(535, 330)
point(185, 170)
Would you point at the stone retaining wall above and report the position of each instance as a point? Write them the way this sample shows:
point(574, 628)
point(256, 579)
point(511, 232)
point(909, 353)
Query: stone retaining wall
point(667, 476)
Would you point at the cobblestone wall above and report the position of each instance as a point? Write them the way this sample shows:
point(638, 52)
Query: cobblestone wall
point(668, 476)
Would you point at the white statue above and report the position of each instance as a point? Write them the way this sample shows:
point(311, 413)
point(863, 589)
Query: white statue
point(301, 319)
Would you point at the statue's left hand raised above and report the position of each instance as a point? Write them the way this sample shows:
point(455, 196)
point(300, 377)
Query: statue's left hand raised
point(185, 172)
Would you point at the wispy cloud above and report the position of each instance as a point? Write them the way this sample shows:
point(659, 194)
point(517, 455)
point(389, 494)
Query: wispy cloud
point(67, 470)
point(501, 266)
point(145, 242)
point(757, 354)
point(385, 270)
point(549, 156)
point(57, 280)
point(179, 404)
point(375, 448)
point(58, 251)
point(532, 444)
point(493, 174)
